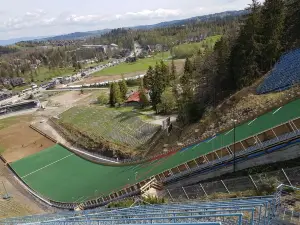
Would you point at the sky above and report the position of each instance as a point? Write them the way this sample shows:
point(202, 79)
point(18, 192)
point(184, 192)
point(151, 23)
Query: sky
point(32, 18)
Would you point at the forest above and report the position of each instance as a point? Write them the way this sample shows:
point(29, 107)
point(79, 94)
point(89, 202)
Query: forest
point(243, 54)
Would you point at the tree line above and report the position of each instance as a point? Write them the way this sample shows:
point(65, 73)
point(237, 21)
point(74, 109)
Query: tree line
point(166, 36)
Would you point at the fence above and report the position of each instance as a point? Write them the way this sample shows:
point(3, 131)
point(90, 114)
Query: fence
point(289, 176)
point(42, 133)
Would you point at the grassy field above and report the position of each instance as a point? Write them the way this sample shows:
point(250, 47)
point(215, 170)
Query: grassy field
point(188, 50)
point(120, 126)
point(44, 74)
point(4, 123)
point(62, 176)
point(140, 65)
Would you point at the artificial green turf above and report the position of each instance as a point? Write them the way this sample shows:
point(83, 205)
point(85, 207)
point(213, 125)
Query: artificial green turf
point(75, 179)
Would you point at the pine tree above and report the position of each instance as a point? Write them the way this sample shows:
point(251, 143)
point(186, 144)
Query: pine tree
point(292, 25)
point(158, 86)
point(224, 79)
point(243, 58)
point(187, 73)
point(142, 94)
point(117, 94)
point(164, 70)
point(188, 67)
point(272, 23)
point(123, 88)
point(112, 95)
point(172, 75)
point(148, 78)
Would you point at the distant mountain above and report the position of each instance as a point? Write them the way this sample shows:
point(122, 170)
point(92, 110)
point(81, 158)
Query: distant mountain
point(193, 19)
point(78, 35)
point(15, 40)
point(81, 35)
point(71, 36)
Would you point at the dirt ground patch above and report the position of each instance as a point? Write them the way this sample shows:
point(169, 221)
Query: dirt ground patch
point(179, 64)
point(67, 98)
point(21, 202)
point(19, 141)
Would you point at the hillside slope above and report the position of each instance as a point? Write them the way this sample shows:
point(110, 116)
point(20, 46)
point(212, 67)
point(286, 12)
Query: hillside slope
point(243, 105)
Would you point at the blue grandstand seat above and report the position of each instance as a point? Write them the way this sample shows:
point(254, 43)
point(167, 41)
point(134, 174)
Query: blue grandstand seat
point(285, 74)
point(255, 210)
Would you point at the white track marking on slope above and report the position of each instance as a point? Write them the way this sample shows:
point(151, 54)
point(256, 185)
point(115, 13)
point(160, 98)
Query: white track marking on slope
point(252, 121)
point(211, 139)
point(196, 145)
point(229, 131)
point(47, 165)
point(277, 110)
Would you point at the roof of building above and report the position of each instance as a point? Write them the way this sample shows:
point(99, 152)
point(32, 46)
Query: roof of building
point(135, 97)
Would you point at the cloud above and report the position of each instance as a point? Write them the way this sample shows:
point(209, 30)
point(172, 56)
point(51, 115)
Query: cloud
point(82, 19)
point(38, 18)
point(29, 19)
point(40, 22)
point(151, 14)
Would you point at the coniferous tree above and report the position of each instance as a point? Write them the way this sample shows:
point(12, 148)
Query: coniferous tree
point(243, 59)
point(112, 95)
point(292, 25)
point(117, 93)
point(188, 67)
point(148, 78)
point(123, 88)
point(187, 73)
point(164, 70)
point(159, 84)
point(172, 75)
point(270, 36)
point(142, 94)
point(224, 80)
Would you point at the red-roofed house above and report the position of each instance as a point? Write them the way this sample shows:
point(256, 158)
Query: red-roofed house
point(134, 99)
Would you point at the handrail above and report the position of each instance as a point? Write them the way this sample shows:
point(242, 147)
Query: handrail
point(288, 186)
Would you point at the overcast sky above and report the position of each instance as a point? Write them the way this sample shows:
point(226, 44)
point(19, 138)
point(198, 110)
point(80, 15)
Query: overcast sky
point(30, 18)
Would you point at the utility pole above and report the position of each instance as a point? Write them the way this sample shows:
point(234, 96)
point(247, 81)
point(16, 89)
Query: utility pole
point(234, 125)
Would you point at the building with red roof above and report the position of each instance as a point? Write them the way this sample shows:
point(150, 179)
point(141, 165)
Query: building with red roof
point(134, 98)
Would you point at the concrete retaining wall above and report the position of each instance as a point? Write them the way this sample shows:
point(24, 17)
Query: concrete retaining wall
point(285, 154)
point(42, 133)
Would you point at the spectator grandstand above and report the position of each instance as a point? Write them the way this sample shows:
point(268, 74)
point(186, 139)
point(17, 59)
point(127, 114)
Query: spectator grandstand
point(238, 211)
point(285, 74)
point(18, 106)
point(229, 212)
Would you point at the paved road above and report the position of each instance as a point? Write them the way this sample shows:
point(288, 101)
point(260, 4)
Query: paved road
point(75, 89)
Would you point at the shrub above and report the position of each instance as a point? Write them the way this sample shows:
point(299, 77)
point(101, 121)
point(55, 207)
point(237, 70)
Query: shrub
point(103, 99)
point(267, 185)
point(168, 102)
